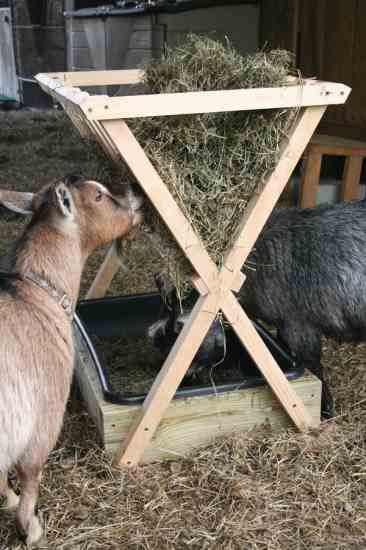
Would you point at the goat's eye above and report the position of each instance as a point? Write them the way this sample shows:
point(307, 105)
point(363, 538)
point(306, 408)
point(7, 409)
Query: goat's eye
point(99, 196)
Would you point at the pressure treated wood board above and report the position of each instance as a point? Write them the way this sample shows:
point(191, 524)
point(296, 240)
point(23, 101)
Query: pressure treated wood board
point(193, 422)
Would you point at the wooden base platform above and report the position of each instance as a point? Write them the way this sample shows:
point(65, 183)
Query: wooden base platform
point(192, 422)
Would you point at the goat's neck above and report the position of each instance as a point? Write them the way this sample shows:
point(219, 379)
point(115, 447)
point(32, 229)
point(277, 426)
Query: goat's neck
point(53, 255)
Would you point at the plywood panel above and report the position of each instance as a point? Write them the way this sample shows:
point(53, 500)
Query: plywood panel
point(279, 24)
point(356, 107)
point(194, 422)
point(338, 30)
point(336, 52)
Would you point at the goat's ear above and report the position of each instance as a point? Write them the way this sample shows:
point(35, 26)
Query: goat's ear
point(21, 203)
point(63, 200)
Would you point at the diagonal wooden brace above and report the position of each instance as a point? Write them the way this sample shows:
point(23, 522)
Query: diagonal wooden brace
point(215, 287)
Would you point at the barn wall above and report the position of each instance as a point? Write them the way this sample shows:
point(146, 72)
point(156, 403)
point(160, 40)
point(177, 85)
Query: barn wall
point(127, 41)
point(8, 77)
point(39, 41)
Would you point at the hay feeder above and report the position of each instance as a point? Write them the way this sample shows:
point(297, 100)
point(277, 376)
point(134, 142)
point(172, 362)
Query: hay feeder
point(103, 118)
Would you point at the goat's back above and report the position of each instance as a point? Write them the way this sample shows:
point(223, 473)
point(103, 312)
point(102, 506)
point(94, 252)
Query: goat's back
point(311, 265)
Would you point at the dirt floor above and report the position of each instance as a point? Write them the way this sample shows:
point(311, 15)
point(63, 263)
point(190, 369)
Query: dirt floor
point(257, 491)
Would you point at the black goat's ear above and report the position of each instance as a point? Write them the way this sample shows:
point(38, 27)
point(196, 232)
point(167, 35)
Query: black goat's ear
point(21, 203)
point(63, 200)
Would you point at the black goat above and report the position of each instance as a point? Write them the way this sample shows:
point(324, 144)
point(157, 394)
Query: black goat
point(309, 280)
point(307, 277)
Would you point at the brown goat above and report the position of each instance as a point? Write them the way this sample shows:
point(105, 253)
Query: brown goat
point(70, 219)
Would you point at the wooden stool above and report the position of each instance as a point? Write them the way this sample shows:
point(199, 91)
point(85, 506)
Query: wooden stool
point(354, 151)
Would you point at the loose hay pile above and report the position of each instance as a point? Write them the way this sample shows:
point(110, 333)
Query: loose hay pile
point(212, 163)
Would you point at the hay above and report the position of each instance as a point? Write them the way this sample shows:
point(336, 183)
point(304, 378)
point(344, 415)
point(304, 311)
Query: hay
point(133, 372)
point(255, 491)
point(211, 163)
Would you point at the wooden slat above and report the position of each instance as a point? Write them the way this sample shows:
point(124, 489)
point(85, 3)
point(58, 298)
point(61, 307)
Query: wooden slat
point(309, 181)
point(191, 423)
point(265, 362)
point(57, 89)
point(350, 187)
point(101, 78)
point(104, 141)
point(339, 150)
point(311, 94)
point(334, 145)
point(168, 379)
point(104, 277)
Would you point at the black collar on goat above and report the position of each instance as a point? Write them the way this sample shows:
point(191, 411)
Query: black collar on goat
point(60, 297)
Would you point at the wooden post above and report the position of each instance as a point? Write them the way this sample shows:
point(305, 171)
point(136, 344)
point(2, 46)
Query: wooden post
point(350, 187)
point(309, 181)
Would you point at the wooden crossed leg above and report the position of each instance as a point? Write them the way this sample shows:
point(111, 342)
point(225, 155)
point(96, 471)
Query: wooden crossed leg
point(215, 287)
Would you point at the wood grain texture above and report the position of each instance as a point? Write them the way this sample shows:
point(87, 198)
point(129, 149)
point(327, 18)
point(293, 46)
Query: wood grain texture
point(309, 180)
point(312, 93)
point(335, 145)
point(8, 77)
point(191, 423)
point(350, 186)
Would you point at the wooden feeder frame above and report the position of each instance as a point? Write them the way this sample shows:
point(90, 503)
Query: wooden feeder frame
point(103, 118)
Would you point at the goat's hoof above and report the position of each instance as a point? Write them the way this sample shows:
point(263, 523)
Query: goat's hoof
point(41, 543)
point(35, 538)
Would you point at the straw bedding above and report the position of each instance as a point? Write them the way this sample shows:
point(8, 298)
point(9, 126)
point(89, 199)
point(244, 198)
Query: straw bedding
point(255, 492)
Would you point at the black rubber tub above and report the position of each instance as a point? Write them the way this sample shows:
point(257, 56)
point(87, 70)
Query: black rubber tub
point(132, 315)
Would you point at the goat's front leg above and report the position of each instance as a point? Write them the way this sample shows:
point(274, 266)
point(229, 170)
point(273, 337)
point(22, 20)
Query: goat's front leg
point(305, 341)
point(27, 520)
point(11, 498)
